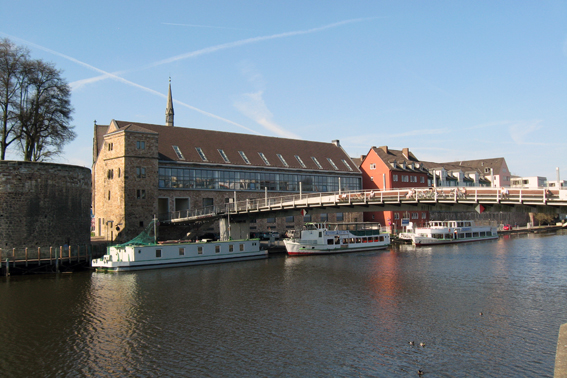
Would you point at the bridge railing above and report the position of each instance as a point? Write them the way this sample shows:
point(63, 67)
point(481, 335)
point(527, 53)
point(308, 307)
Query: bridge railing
point(402, 195)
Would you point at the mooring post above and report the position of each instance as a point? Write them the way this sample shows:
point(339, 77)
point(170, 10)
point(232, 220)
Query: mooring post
point(50, 254)
point(26, 254)
point(38, 256)
point(7, 267)
point(69, 253)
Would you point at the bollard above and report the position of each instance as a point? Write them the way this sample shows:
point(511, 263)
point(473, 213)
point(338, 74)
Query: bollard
point(38, 256)
point(69, 253)
point(50, 251)
point(26, 255)
point(7, 267)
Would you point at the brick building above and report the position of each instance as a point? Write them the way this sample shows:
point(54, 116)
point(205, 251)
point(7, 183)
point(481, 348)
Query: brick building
point(386, 169)
point(143, 169)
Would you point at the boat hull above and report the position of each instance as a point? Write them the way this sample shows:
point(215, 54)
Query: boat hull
point(421, 241)
point(298, 249)
point(176, 255)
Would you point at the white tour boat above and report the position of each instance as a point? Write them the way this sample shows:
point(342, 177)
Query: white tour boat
point(327, 238)
point(144, 253)
point(448, 232)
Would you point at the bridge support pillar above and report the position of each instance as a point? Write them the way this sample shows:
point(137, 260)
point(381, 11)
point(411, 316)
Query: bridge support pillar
point(238, 230)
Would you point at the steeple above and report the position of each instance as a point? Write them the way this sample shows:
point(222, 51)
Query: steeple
point(169, 110)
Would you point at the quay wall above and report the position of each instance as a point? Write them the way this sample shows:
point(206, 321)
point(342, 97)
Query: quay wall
point(43, 204)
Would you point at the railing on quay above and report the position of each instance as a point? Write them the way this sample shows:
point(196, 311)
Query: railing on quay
point(29, 257)
point(441, 195)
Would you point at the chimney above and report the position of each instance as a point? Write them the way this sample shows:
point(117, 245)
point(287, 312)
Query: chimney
point(337, 143)
point(405, 151)
point(384, 148)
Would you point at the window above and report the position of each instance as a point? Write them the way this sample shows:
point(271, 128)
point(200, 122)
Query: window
point(141, 194)
point(264, 158)
point(346, 164)
point(333, 164)
point(241, 247)
point(307, 218)
point(110, 174)
point(109, 195)
point(140, 145)
point(317, 162)
point(231, 248)
point(414, 215)
point(200, 250)
point(423, 215)
point(181, 251)
point(217, 248)
point(371, 178)
point(373, 166)
point(243, 155)
point(178, 153)
point(422, 180)
point(282, 160)
point(396, 216)
point(486, 170)
point(324, 217)
point(158, 252)
point(201, 153)
point(300, 161)
point(141, 223)
point(395, 177)
point(405, 178)
point(140, 172)
point(289, 219)
point(110, 146)
point(224, 157)
point(413, 178)
point(340, 217)
point(271, 220)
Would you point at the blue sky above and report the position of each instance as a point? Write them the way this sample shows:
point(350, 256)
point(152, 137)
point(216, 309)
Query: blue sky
point(451, 80)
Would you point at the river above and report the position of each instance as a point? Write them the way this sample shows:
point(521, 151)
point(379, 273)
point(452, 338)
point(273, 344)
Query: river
point(486, 309)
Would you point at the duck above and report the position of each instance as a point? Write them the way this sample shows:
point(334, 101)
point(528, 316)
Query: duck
point(420, 372)
point(421, 344)
point(411, 343)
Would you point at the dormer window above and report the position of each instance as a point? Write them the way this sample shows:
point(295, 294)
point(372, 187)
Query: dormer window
point(394, 164)
point(403, 165)
point(346, 164)
point(264, 158)
point(317, 162)
point(333, 164)
point(201, 153)
point(282, 160)
point(243, 156)
point(178, 153)
point(300, 161)
point(224, 157)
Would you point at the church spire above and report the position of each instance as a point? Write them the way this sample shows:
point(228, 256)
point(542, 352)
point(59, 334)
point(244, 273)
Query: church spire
point(169, 110)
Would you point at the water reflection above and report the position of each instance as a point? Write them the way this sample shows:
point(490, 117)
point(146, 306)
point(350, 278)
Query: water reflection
point(340, 315)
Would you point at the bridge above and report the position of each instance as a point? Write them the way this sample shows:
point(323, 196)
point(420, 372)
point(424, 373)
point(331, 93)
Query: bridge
point(406, 199)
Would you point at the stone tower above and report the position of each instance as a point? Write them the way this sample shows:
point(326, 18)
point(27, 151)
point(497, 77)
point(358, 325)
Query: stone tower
point(169, 110)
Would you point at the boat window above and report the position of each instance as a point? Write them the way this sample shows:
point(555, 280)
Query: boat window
point(158, 252)
point(241, 247)
point(230, 247)
point(381, 238)
point(345, 241)
point(330, 242)
point(358, 240)
point(482, 233)
point(181, 251)
point(320, 234)
point(217, 248)
point(200, 250)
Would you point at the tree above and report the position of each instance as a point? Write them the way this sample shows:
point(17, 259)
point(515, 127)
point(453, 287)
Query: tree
point(36, 105)
point(12, 59)
point(44, 112)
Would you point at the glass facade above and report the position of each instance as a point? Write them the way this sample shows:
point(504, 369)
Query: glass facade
point(217, 179)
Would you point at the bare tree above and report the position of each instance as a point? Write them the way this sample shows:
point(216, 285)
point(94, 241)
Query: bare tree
point(43, 112)
point(12, 59)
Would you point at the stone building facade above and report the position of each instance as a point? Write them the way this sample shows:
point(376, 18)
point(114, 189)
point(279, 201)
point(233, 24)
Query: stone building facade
point(44, 205)
point(142, 170)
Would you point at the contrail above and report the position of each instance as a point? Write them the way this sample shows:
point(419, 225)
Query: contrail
point(203, 26)
point(128, 82)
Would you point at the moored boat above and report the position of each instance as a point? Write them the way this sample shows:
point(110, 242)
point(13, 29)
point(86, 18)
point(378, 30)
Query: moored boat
point(144, 253)
point(449, 232)
point(329, 238)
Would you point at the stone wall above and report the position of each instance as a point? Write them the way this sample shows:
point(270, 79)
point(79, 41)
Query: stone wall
point(43, 205)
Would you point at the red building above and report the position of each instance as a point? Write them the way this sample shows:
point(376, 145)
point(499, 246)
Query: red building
point(386, 169)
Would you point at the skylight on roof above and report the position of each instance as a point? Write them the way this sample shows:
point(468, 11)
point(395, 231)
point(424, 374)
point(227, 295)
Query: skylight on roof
point(282, 160)
point(348, 166)
point(201, 153)
point(243, 155)
point(178, 153)
point(223, 155)
point(300, 161)
point(264, 158)
point(333, 164)
point(317, 162)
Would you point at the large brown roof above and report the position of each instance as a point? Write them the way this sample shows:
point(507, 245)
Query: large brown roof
point(188, 139)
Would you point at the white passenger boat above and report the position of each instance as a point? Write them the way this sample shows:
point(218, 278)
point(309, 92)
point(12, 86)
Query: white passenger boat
point(448, 232)
point(327, 238)
point(144, 253)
